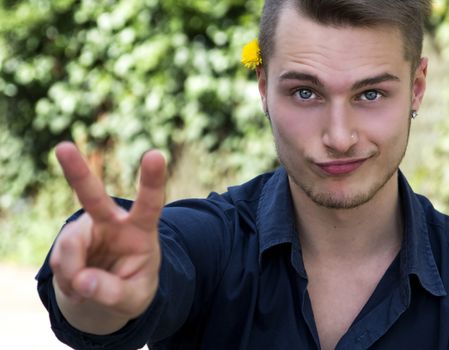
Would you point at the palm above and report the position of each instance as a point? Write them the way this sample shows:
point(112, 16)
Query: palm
point(118, 250)
point(118, 247)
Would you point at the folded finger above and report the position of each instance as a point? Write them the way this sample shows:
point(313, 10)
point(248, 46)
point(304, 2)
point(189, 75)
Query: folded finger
point(69, 255)
point(129, 298)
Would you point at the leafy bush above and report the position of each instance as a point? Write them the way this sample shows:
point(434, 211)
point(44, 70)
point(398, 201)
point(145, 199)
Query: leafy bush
point(120, 77)
point(433, 176)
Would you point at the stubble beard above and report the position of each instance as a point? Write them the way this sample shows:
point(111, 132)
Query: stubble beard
point(328, 199)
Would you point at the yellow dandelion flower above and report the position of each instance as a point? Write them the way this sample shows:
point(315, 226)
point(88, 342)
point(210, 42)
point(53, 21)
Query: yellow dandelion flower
point(251, 57)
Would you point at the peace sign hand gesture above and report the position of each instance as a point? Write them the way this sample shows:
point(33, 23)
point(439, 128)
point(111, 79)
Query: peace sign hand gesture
point(106, 263)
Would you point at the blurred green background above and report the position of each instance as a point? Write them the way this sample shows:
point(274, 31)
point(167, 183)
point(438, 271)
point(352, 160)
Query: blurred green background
point(120, 77)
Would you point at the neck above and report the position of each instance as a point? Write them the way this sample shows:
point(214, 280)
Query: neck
point(369, 230)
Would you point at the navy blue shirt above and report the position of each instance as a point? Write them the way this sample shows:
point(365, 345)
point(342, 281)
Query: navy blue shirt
point(232, 277)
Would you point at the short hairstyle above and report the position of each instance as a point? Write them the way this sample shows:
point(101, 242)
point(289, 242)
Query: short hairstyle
point(406, 15)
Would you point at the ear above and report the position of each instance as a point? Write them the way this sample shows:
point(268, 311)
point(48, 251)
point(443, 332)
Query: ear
point(419, 84)
point(262, 83)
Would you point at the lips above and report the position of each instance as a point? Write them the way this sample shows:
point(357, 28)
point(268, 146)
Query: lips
point(339, 168)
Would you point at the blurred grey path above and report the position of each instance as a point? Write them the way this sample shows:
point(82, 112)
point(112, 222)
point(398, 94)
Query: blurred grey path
point(24, 322)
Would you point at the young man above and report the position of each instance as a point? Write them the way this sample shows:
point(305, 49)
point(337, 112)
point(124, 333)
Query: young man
point(331, 251)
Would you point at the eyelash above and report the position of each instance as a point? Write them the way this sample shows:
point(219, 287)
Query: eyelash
point(360, 97)
point(297, 93)
point(379, 95)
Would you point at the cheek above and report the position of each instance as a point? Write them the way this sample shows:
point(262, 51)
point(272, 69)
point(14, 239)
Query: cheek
point(295, 132)
point(294, 124)
point(389, 125)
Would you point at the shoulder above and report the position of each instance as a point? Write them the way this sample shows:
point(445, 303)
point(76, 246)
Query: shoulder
point(210, 232)
point(238, 203)
point(434, 217)
point(438, 228)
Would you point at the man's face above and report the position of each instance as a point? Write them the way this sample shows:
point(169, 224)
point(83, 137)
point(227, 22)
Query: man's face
point(339, 101)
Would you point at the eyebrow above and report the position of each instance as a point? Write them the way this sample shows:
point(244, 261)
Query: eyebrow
point(292, 75)
point(374, 80)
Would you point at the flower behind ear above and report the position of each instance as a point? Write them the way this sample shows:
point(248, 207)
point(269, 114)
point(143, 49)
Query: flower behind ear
point(251, 57)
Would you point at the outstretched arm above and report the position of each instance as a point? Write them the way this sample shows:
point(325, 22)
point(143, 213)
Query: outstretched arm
point(106, 263)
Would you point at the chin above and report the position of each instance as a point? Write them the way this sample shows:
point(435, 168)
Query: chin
point(350, 196)
point(332, 201)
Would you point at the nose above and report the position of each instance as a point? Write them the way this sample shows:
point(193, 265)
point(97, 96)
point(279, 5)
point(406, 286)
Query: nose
point(340, 133)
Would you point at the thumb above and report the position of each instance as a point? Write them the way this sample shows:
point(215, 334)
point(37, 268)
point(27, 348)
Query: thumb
point(111, 291)
point(100, 286)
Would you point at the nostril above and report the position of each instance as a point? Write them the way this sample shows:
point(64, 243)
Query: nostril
point(340, 141)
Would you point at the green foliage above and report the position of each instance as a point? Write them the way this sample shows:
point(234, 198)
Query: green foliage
point(31, 225)
point(433, 176)
point(120, 77)
point(439, 25)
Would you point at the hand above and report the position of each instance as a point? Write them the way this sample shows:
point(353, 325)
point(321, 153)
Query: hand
point(108, 256)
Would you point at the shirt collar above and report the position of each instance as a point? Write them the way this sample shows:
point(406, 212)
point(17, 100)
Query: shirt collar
point(276, 225)
point(416, 254)
point(276, 219)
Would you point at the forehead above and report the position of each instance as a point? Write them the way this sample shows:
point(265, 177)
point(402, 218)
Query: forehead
point(344, 52)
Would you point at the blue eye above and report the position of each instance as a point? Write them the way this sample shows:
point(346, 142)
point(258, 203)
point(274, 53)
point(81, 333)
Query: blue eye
point(371, 95)
point(305, 94)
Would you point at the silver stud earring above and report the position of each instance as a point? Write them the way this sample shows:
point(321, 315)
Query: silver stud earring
point(414, 114)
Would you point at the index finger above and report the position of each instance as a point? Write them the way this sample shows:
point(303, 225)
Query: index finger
point(87, 186)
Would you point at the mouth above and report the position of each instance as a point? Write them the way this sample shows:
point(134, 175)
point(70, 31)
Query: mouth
point(341, 167)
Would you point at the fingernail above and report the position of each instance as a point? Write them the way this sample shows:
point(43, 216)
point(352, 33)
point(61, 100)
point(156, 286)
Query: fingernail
point(89, 287)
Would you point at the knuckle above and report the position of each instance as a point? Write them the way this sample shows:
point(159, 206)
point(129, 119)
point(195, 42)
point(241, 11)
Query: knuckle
point(55, 255)
point(55, 262)
point(67, 243)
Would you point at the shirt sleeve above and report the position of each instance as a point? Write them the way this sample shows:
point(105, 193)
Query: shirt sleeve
point(195, 238)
